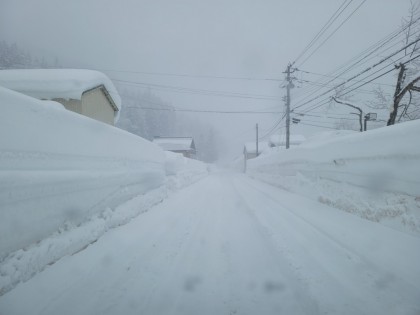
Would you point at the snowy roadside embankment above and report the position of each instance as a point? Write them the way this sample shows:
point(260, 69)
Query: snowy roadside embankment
point(181, 171)
point(375, 174)
point(59, 168)
point(23, 264)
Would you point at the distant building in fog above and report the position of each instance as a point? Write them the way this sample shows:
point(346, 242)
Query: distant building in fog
point(250, 150)
point(280, 140)
point(183, 145)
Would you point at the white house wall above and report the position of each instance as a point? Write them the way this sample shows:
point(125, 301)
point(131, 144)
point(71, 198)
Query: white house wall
point(96, 105)
point(72, 105)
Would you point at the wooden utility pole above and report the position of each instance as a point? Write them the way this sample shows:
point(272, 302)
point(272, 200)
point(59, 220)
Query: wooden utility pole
point(288, 87)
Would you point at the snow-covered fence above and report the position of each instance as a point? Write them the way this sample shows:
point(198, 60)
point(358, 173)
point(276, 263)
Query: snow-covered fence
point(58, 168)
point(375, 174)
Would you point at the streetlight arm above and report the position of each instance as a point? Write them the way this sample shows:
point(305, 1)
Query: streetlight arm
point(355, 107)
point(344, 103)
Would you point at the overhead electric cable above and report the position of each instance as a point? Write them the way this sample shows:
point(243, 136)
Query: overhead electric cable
point(326, 127)
point(323, 29)
point(198, 91)
point(325, 40)
point(362, 58)
point(201, 111)
point(191, 75)
point(359, 74)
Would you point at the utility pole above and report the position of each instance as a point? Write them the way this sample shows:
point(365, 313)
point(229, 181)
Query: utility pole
point(289, 86)
point(256, 140)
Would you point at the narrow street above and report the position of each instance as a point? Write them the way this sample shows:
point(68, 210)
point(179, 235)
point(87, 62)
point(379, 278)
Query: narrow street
point(232, 245)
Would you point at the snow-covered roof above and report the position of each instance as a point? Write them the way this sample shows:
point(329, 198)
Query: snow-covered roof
point(250, 147)
point(280, 140)
point(175, 143)
point(57, 83)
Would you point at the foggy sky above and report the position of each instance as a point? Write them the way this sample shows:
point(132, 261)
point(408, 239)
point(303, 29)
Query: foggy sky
point(242, 38)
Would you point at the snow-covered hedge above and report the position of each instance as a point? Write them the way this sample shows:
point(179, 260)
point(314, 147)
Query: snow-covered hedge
point(375, 174)
point(58, 168)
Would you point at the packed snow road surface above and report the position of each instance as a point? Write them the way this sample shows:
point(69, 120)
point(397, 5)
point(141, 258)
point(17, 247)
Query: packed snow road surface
point(232, 245)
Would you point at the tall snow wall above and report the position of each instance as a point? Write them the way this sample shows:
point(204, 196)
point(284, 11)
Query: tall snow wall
point(385, 159)
point(59, 168)
point(374, 174)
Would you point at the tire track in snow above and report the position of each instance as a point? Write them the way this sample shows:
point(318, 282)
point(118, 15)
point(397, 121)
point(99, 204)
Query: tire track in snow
point(331, 260)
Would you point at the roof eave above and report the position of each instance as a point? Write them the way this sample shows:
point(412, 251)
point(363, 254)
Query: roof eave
point(107, 95)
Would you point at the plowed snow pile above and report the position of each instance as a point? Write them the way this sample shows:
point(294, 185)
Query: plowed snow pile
point(374, 174)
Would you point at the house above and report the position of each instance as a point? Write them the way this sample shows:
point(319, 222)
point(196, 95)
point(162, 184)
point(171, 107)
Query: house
point(280, 140)
point(89, 93)
point(183, 145)
point(250, 150)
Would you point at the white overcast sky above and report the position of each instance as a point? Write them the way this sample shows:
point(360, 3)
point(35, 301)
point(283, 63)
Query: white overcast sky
point(246, 38)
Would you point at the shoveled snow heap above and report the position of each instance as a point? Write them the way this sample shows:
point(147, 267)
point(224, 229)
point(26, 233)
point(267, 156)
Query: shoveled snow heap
point(49, 84)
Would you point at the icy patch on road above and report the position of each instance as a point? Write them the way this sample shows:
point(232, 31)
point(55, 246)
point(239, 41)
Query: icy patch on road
point(23, 264)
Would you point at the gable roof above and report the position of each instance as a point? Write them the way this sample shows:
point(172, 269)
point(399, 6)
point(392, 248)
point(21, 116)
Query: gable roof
point(250, 147)
point(51, 84)
point(175, 143)
point(280, 140)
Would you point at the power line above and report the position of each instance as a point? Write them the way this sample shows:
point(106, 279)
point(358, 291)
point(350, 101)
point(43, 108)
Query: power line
point(327, 117)
point(323, 29)
point(378, 76)
point(369, 56)
point(273, 128)
point(342, 23)
point(331, 76)
point(179, 89)
point(363, 56)
point(173, 109)
point(326, 127)
point(200, 111)
point(359, 74)
point(326, 86)
point(327, 99)
point(323, 113)
point(191, 75)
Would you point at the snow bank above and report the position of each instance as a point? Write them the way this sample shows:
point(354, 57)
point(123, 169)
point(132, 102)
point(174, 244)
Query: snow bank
point(51, 84)
point(375, 174)
point(181, 171)
point(22, 264)
point(59, 168)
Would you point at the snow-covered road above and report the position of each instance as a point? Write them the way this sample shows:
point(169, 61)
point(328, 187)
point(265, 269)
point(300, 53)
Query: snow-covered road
point(232, 245)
